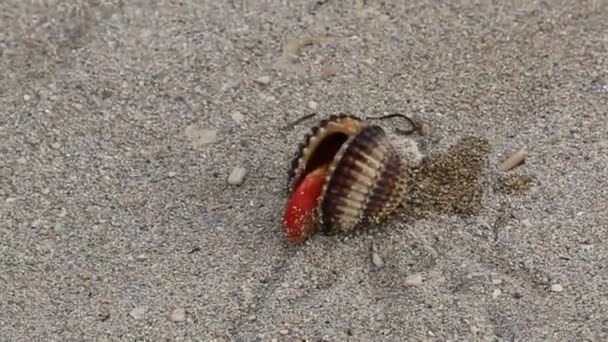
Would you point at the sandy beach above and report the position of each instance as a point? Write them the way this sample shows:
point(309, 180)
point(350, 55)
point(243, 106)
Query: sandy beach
point(145, 148)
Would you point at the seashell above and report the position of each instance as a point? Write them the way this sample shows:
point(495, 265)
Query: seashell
point(345, 174)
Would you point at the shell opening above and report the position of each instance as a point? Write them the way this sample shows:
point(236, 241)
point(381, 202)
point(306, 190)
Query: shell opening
point(325, 151)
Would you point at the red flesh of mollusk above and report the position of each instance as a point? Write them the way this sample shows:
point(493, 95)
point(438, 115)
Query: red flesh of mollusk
point(299, 213)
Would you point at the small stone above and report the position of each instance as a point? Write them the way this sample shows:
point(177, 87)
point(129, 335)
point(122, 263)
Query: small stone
point(284, 332)
point(329, 70)
point(56, 145)
point(22, 160)
point(26, 97)
point(237, 117)
point(85, 275)
point(313, 105)
point(137, 313)
point(526, 223)
point(496, 281)
point(178, 315)
point(413, 280)
point(172, 174)
point(557, 288)
point(229, 85)
point(269, 98)
point(36, 223)
point(252, 318)
point(496, 293)
point(377, 260)
point(237, 175)
point(140, 83)
point(200, 137)
point(46, 191)
point(263, 80)
point(141, 257)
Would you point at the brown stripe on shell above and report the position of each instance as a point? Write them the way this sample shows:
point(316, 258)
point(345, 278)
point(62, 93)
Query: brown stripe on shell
point(385, 197)
point(355, 178)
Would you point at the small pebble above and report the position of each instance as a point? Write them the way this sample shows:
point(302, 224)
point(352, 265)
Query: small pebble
point(526, 223)
point(269, 98)
point(140, 83)
point(284, 332)
point(238, 117)
point(313, 105)
point(329, 70)
point(26, 97)
point(496, 281)
point(46, 191)
point(172, 174)
point(178, 315)
point(263, 80)
point(85, 275)
point(200, 137)
point(22, 160)
point(137, 313)
point(377, 260)
point(557, 288)
point(229, 85)
point(56, 145)
point(237, 175)
point(413, 280)
point(36, 223)
point(496, 293)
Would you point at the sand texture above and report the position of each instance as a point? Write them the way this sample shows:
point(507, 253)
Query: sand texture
point(145, 148)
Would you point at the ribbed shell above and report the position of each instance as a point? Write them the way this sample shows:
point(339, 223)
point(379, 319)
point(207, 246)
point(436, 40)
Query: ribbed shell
point(365, 180)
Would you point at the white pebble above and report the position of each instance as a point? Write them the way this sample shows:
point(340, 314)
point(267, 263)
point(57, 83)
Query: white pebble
point(557, 288)
point(496, 293)
point(313, 105)
point(237, 175)
point(137, 313)
point(413, 280)
point(200, 137)
point(172, 174)
point(56, 145)
point(178, 315)
point(284, 332)
point(26, 97)
point(264, 80)
point(377, 260)
point(237, 117)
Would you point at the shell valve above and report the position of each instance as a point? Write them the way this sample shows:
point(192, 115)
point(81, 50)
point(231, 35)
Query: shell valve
point(346, 173)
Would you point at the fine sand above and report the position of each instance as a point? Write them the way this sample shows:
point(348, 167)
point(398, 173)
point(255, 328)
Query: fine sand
point(121, 123)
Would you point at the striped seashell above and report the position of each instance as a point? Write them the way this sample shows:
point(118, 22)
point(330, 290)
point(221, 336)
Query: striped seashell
point(363, 181)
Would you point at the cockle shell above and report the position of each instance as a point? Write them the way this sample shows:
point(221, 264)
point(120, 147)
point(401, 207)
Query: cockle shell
point(365, 179)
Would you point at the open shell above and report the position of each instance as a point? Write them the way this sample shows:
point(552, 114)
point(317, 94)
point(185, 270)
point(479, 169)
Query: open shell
point(365, 180)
